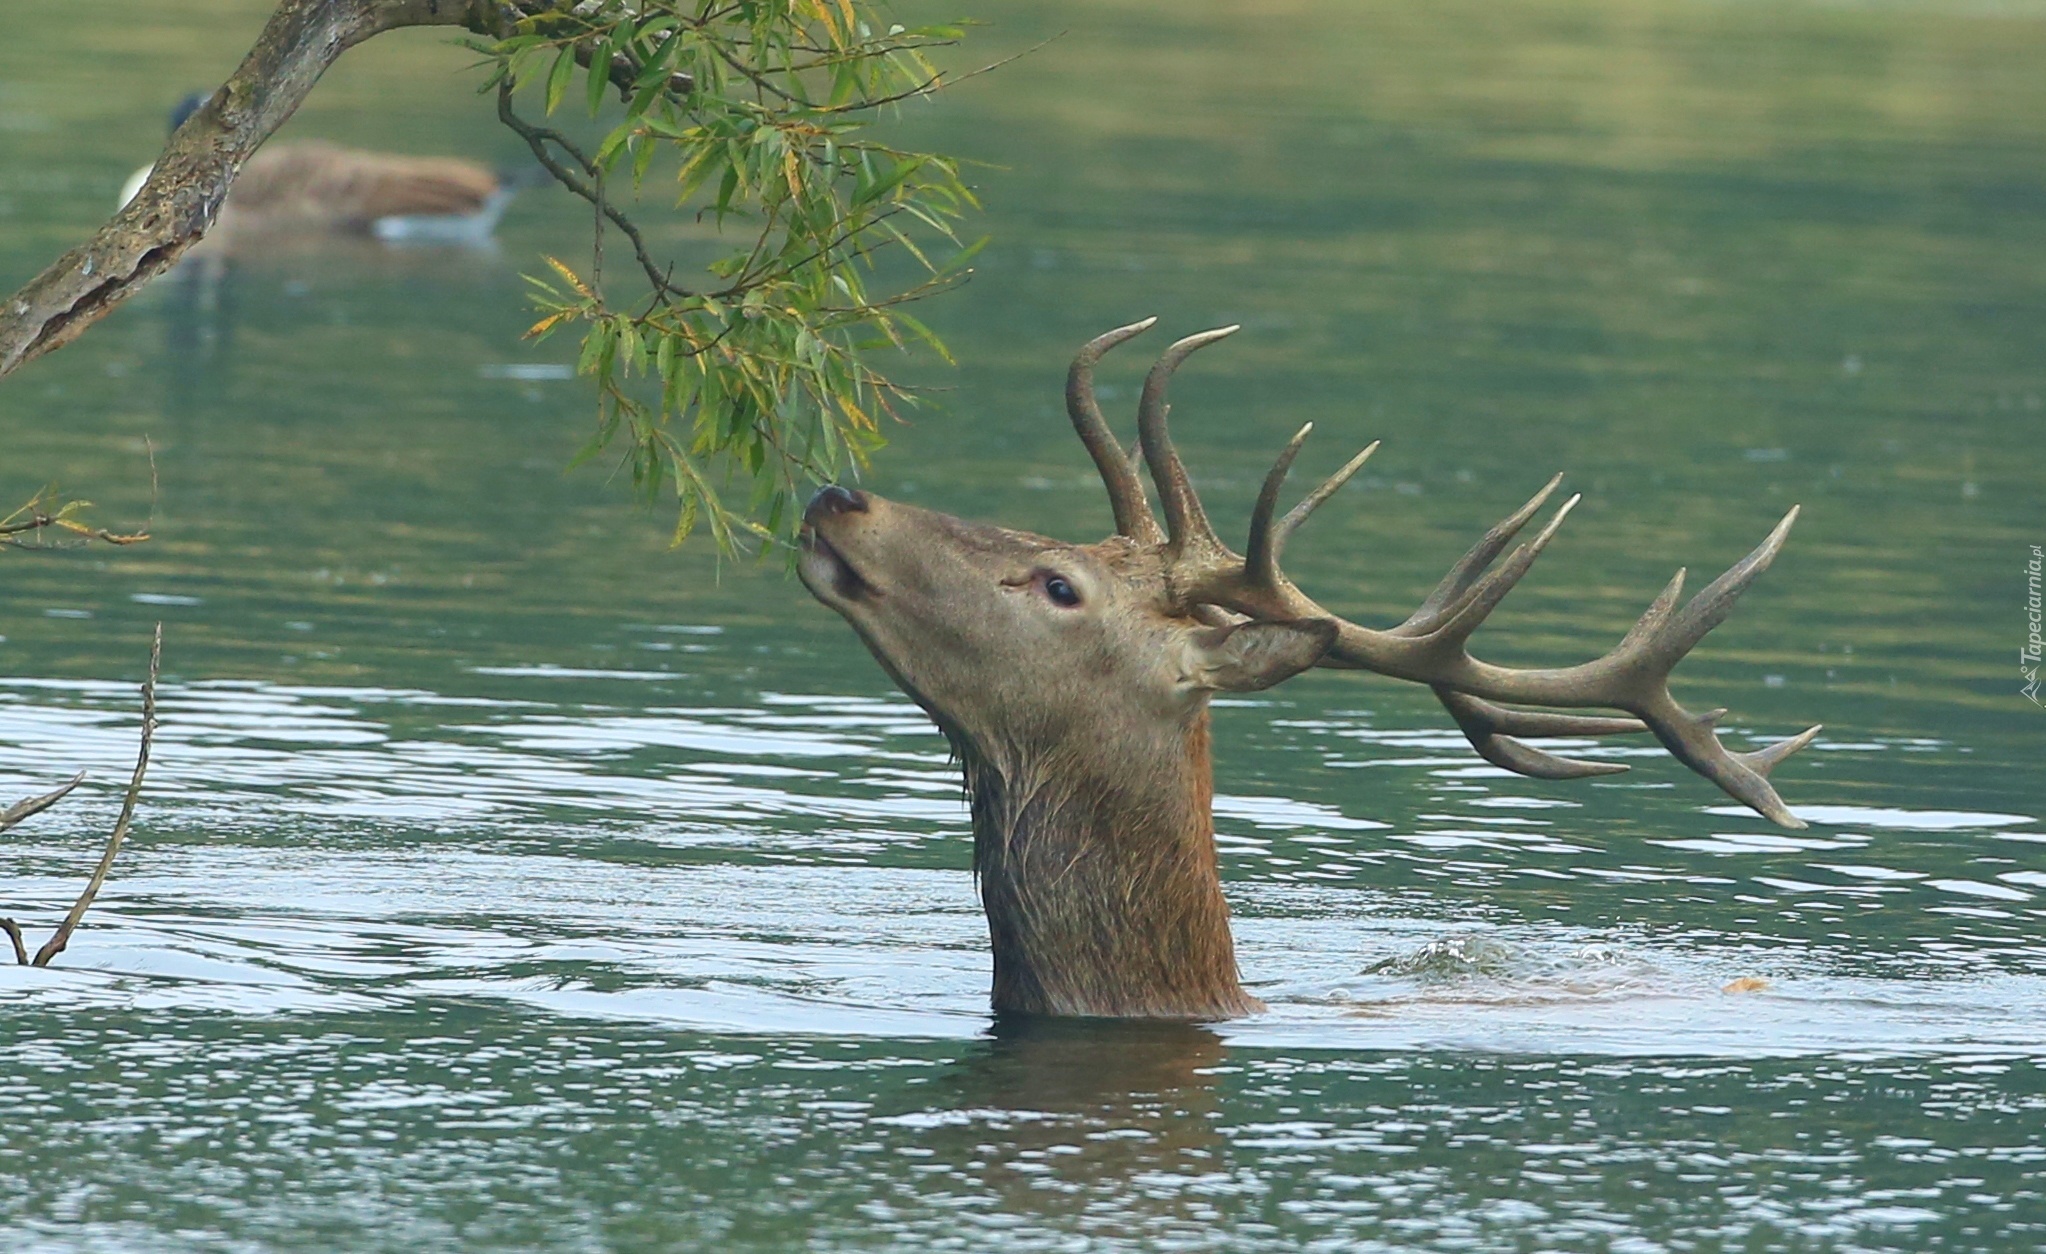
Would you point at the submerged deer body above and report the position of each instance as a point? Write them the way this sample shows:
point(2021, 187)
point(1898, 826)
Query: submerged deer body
point(1073, 682)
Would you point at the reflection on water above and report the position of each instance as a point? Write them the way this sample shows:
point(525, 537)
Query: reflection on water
point(479, 1129)
point(505, 881)
point(1063, 1118)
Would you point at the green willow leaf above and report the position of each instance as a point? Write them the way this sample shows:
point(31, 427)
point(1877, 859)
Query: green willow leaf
point(558, 77)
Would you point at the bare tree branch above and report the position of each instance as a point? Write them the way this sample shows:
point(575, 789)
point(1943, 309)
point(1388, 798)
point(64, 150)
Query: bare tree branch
point(13, 931)
point(55, 945)
point(36, 805)
point(183, 195)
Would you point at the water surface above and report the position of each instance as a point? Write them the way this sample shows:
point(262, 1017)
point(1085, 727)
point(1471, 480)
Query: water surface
point(506, 880)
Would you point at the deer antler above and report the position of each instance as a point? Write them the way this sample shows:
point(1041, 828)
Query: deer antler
point(1118, 472)
point(1430, 647)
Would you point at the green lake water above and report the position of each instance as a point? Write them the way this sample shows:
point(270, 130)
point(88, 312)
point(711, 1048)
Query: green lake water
point(506, 880)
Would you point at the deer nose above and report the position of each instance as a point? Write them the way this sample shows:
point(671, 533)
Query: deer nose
point(832, 499)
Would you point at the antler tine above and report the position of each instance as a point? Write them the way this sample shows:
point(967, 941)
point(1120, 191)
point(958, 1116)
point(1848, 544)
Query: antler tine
point(1118, 472)
point(1710, 607)
point(1473, 564)
point(1491, 729)
point(1268, 542)
point(1186, 523)
point(1312, 501)
point(1691, 740)
point(1657, 613)
point(1661, 639)
point(1464, 616)
point(1261, 551)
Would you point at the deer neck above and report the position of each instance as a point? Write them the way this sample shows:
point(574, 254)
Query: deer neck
point(1100, 882)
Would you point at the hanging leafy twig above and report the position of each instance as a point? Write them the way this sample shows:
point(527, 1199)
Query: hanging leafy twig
point(763, 379)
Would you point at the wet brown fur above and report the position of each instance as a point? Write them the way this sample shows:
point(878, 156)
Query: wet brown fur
point(1102, 889)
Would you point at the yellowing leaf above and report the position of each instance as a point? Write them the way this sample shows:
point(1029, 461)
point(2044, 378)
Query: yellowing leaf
point(569, 276)
point(546, 324)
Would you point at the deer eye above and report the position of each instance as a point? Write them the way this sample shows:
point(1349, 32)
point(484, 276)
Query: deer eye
point(1061, 591)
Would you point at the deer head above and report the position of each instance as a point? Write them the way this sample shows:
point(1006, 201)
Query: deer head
point(1073, 679)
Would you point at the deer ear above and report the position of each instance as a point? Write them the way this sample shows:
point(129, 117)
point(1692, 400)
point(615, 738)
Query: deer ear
point(1252, 656)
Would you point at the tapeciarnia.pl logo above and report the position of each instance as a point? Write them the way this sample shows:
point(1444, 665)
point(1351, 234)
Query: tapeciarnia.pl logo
point(2028, 656)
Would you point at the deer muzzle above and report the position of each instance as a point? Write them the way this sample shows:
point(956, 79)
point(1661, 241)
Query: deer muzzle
point(823, 567)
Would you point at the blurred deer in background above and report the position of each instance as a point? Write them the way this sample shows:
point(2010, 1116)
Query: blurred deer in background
point(1073, 682)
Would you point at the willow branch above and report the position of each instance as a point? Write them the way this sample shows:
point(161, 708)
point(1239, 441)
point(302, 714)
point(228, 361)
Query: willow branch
point(625, 69)
point(537, 138)
point(182, 197)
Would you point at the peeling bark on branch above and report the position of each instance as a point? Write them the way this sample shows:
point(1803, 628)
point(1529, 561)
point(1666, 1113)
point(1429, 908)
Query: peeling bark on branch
point(179, 203)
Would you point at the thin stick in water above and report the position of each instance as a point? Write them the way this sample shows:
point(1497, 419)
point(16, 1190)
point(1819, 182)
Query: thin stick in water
point(56, 943)
point(36, 805)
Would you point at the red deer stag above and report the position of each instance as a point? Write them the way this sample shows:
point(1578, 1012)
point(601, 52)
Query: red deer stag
point(1073, 682)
